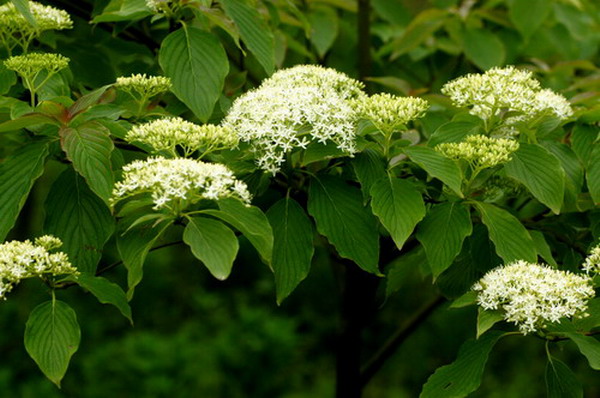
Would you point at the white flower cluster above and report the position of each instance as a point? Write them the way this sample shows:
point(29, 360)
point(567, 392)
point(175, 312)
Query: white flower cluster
point(533, 295)
point(592, 262)
point(177, 183)
point(15, 30)
point(169, 133)
point(143, 86)
point(480, 151)
point(502, 91)
point(29, 65)
point(164, 6)
point(20, 260)
point(293, 108)
point(389, 112)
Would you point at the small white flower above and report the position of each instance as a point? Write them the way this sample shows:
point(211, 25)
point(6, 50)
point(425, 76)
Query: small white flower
point(533, 295)
point(177, 183)
point(293, 108)
point(29, 65)
point(480, 151)
point(592, 262)
point(388, 112)
point(143, 86)
point(21, 260)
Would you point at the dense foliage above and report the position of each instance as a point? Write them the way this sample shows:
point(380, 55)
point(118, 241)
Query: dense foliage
point(343, 170)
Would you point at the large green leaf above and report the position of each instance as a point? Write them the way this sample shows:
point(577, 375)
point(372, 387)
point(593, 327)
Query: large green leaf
point(542, 247)
point(340, 216)
point(197, 65)
point(399, 207)
point(589, 347)
point(528, 15)
point(442, 233)
point(89, 147)
point(106, 292)
point(323, 28)
point(30, 119)
point(483, 48)
point(18, 172)
point(511, 239)
point(593, 320)
point(418, 31)
point(462, 376)
point(293, 248)
point(250, 221)
point(541, 172)
point(437, 166)
point(593, 173)
point(213, 243)
point(486, 319)
point(79, 218)
point(582, 141)
point(369, 167)
point(254, 31)
point(123, 10)
point(133, 247)
point(453, 132)
point(561, 382)
point(52, 336)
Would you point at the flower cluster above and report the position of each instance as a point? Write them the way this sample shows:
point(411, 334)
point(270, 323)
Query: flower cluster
point(480, 151)
point(592, 262)
point(163, 6)
point(293, 108)
point(165, 135)
point(142, 86)
point(29, 65)
point(177, 183)
point(16, 30)
point(21, 260)
point(388, 112)
point(506, 92)
point(533, 295)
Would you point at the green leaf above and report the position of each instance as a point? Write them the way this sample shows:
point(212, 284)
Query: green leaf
point(593, 173)
point(402, 269)
point(442, 233)
point(250, 221)
point(133, 247)
point(86, 101)
point(106, 292)
point(399, 207)
point(18, 172)
point(483, 48)
point(528, 15)
point(369, 167)
point(463, 376)
point(8, 78)
point(437, 166)
point(197, 65)
point(511, 239)
point(487, 319)
point(561, 382)
point(89, 147)
point(542, 247)
point(23, 7)
point(123, 10)
point(52, 336)
point(589, 347)
point(541, 172)
point(293, 249)
point(28, 120)
point(582, 142)
point(323, 28)
point(341, 217)
point(418, 31)
point(453, 132)
point(213, 243)
point(254, 31)
point(467, 299)
point(80, 219)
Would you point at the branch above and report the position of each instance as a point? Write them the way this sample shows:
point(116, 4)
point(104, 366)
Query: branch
point(375, 363)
